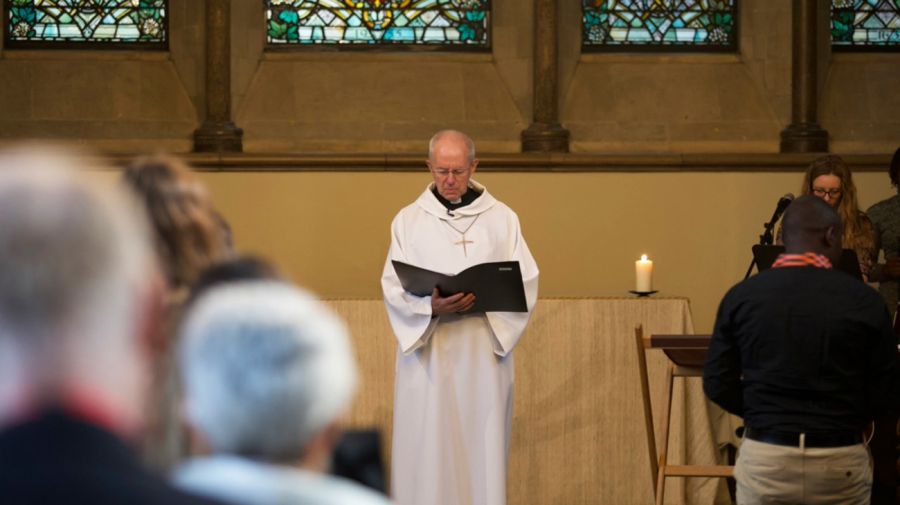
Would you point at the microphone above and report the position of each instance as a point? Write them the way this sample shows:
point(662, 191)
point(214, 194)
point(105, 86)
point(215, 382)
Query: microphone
point(783, 202)
point(782, 205)
point(766, 238)
point(449, 213)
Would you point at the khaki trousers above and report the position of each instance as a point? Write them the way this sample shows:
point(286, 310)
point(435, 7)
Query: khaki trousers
point(782, 475)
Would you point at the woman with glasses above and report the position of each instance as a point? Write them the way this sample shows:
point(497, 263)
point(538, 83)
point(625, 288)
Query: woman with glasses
point(829, 178)
point(885, 216)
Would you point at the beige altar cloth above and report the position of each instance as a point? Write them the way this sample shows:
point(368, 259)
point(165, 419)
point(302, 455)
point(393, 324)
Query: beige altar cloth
point(578, 431)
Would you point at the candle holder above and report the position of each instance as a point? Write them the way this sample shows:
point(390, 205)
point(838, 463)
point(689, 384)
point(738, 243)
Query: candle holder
point(643, 294)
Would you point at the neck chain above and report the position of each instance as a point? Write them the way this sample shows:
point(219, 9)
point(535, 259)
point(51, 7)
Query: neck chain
point(462, 241)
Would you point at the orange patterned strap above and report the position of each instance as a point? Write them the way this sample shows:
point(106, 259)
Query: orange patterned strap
point(802, 260)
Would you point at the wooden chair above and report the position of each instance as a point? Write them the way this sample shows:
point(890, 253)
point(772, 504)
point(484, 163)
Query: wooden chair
point(686, 354)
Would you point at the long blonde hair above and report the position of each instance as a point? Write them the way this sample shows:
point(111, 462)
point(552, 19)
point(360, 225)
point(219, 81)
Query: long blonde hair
point(187, 234)
point(847, 208)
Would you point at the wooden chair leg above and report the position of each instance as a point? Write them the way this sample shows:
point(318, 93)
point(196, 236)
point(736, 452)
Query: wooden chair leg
point(648, 407)
point(664, 447)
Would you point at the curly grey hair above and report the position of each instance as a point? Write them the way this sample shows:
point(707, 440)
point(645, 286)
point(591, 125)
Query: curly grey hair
point(265, 368)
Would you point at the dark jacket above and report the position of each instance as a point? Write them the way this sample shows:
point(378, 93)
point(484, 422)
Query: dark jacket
point(56, 459)
point(803, 349)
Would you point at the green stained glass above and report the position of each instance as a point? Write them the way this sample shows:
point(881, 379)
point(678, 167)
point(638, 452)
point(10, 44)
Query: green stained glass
point(448, 23)
point(659, 24)
point(865, 24)
point(121, 23)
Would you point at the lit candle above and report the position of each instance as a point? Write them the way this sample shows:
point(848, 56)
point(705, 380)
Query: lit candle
point(643, 270)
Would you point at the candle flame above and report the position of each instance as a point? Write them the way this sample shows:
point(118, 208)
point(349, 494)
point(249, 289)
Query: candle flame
point(643, 257)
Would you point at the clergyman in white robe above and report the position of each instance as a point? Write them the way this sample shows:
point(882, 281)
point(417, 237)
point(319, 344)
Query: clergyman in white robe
point(453, 396)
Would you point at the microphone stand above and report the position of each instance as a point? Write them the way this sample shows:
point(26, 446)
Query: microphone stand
point(765, 239)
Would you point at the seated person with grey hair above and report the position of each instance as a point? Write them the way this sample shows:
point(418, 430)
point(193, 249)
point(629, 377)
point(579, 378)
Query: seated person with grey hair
point(267, 372)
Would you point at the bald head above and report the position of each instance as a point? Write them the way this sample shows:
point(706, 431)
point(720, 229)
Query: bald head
point(811, 225)
point(451, 139)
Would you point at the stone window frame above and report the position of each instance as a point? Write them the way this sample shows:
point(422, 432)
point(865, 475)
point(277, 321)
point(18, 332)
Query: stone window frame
point(733, 48)
point(854, 48)
point(92, 45)
point(386, 47)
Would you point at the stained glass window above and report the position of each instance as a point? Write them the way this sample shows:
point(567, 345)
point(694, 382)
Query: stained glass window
point(445, 23)
point(654, 25)
point(865, 24)
point(81, 23)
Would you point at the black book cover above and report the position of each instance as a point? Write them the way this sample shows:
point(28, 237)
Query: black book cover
point(497, 286)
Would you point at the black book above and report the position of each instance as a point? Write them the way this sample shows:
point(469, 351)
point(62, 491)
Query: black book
point(497, 286)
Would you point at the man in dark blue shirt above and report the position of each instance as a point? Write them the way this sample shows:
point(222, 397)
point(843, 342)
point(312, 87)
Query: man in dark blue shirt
point(806, 355)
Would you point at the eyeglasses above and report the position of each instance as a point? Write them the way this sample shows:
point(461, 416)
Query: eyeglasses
point(830, 193)
point(457, 172)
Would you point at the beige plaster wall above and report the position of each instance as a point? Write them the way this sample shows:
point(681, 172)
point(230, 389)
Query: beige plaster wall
point(329, 231)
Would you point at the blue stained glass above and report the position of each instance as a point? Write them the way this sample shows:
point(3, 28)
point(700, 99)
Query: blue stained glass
point(658, 24)
point(120, 23)
point(449, 23)
point(400, 34)
point(861, 24)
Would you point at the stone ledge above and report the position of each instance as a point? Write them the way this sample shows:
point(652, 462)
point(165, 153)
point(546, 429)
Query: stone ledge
point(80, 55)
point(521, 162)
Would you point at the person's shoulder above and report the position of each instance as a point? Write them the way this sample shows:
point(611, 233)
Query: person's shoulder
point(498, 207)
point(863, 216)
point(856, 288)
point(865, 222)
point(776, 284)
point(837, 283)
point(323, 489)
point(337, 491)
point(506, 208)
point(409, 208)
point(407, 212)
point(179, 497)
point(767, 282)
point(238, 480)
point(763, 278)
point(880, 209)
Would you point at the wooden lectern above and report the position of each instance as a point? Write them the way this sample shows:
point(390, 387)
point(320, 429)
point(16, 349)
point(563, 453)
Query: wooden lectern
point(686, 354)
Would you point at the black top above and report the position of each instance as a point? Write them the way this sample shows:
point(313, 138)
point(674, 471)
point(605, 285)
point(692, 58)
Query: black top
point(815, 347)
point(468, 197)
point(55, 459)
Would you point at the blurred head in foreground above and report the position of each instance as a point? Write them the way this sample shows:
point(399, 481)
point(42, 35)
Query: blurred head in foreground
point(79, 290)
point(267, 373)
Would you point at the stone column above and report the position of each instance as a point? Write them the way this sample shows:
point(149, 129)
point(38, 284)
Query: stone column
point(545, 134)
point(804, 134)
point(218, 133)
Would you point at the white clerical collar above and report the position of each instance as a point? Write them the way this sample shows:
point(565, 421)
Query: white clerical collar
point(429, 202)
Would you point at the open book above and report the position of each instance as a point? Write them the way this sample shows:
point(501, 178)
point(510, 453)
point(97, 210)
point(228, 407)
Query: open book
point(497, 286)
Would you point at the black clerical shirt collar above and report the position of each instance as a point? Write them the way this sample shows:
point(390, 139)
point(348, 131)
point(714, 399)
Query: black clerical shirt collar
point(468, 197)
